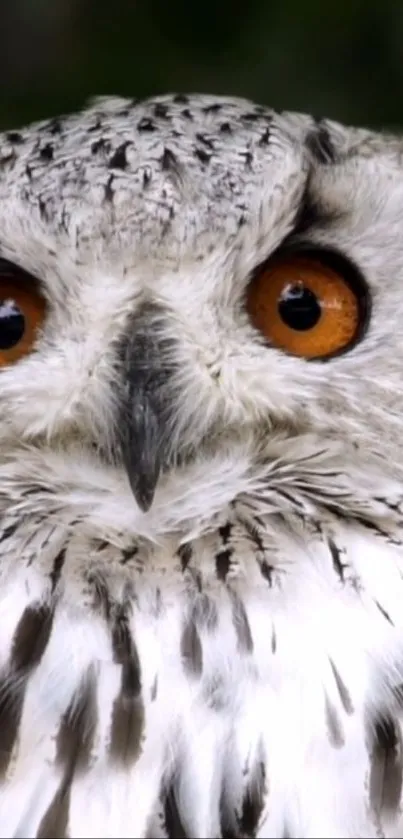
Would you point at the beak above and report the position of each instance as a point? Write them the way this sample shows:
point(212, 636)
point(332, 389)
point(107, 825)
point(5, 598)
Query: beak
point(141, 448)
point(145, 401)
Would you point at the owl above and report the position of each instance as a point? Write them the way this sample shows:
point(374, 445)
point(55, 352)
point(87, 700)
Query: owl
point(201, 474)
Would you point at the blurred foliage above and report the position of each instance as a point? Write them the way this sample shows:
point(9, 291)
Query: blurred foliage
point(339, 58)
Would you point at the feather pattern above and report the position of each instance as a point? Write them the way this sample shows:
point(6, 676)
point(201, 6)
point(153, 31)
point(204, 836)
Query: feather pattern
point(251, 691)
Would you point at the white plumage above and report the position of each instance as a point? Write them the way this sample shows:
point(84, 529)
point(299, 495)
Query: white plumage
point(201, 548)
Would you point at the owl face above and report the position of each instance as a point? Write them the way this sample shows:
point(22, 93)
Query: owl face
point(193, 278)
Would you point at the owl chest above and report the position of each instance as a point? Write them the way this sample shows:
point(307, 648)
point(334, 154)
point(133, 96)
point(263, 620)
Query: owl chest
point(253, 674)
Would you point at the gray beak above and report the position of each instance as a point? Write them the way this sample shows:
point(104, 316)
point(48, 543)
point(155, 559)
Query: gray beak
point(145, 402)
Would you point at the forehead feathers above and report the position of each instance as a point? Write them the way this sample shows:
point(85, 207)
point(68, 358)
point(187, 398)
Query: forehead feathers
point(172, 177)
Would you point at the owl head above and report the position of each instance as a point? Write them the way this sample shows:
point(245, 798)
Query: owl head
point(198, 286)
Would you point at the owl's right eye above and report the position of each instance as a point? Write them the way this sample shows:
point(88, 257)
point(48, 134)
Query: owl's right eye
point(312, 303)
point(22, 312)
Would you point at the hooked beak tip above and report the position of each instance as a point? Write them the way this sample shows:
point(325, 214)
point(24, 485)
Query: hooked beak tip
point(144, 495)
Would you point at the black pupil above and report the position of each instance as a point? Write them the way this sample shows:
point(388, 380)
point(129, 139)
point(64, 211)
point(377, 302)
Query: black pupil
point(299, 307)
point(12, 324)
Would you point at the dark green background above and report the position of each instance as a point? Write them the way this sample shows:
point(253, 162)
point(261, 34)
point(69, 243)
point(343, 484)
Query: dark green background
point(332, 57)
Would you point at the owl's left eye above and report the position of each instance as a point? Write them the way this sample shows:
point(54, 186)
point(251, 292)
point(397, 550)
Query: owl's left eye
point(22, 312)
point(309, 304)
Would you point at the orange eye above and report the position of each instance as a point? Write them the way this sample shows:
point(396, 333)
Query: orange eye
point(22, 312)
point(307, 307)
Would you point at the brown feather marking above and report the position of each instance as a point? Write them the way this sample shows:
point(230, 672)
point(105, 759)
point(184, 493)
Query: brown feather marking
point(244, 823)
point(127, 726)
point(191, 649)
point(253, 802)
point(241, 625)
point(173, 823)
point(54, 824)
point(228, 831)
point(30, 640)
point(336, 555)
point(31, 637)
point(11, 704)
point(74, 744)
point(154, 689)
point(75, 737)
point(101, 601)
point(204, 612)
point(185, 553)
point(273, 640)
point(343, 692)
point(334, 728)
point(57, 568)
point(386, 775)
point(228, 823)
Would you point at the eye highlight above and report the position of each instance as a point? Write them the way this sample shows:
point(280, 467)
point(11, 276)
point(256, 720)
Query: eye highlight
point(22, 312)
point(309, 304)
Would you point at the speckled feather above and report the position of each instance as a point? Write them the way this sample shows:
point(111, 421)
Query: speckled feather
point(228, 662)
